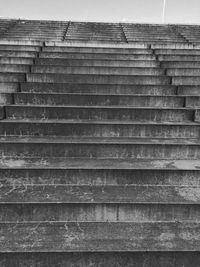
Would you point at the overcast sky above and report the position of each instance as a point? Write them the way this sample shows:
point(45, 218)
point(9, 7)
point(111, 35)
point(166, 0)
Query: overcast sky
point(177, 11)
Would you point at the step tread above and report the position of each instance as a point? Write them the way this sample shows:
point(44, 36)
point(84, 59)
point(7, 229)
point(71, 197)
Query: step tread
point(100, 107)
point(101, 94)
point(87, 163)
point(107, 122)
point(101, 140)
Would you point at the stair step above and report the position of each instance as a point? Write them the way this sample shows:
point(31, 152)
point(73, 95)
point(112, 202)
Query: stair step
point(103, 259)
point(20, 54)
point(98, 236)
point(85, 163)
point(173, 46)
point(99, 148)
point(96, 50)
point(9, 87)
point(2, 112)
point(97, 212)
point(16, 60)
point(69, 44)
point(186, 80)
point(6, 98)
point(99, 194)
point(189, 52)
point(88, 99)
point(12, 77)
point(179, 58)
point(97, 70)
point(99, 128)
point(22, 48)
point(183, 72)
point(137, 114)
point(14, 68)
point(98, 88)
point(20, 42)
point(96, 62)
point(102, 56)
point(19, 172)
point(188, 90)
point(181, 64)
point(98, 79)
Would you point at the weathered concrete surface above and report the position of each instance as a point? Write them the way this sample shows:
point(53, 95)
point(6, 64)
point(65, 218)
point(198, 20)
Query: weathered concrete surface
point(97, 148)
point(97, 56)
point(129, 114)
point(19, 48)
point(100, 99)
point(97, 128)
point(16, 60)
point(136, 259)
point(14, 68)
point(6, 98)
point(2, 112)
point(97, 70)
point(91, 212)
point(86, 49)
point(71, 163)
point(98, 79)
point(12, 77)
point(188, 90)
point(99, 62)
point(99, 194)
point(98, 88)
point(171, 173)
point(186, 80)
point(18, 54)
point(84, 236)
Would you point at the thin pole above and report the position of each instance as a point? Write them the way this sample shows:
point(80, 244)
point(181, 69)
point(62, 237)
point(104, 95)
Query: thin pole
point(164, 7)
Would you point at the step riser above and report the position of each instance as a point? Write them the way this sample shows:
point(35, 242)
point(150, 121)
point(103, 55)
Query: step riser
point(189, 90)
point(177, 52)
point(54, 129)
point(136, 101)
point(18, 54)
point(101, 63)
point(97, 89)
point(103, 114)
point(98, 79)
point(102, 259)
point(180, 80)
point(14, 68)
point(183, 72)
point(96, 50)
point(12, 77)
point(14, 173)
point(100, 151)
point(23, 48)
point(96, 71)
point(183, 64)
point(19, 61)
point(2, 112)
point(96, 56)
point(6, 99)
point(178, 58)
point(98, 212)
point(193, 101)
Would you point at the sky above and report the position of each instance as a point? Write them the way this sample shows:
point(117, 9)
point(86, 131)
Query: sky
point(141, 11)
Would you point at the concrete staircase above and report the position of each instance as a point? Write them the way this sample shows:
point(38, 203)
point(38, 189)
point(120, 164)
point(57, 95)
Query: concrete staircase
point(100, 151)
